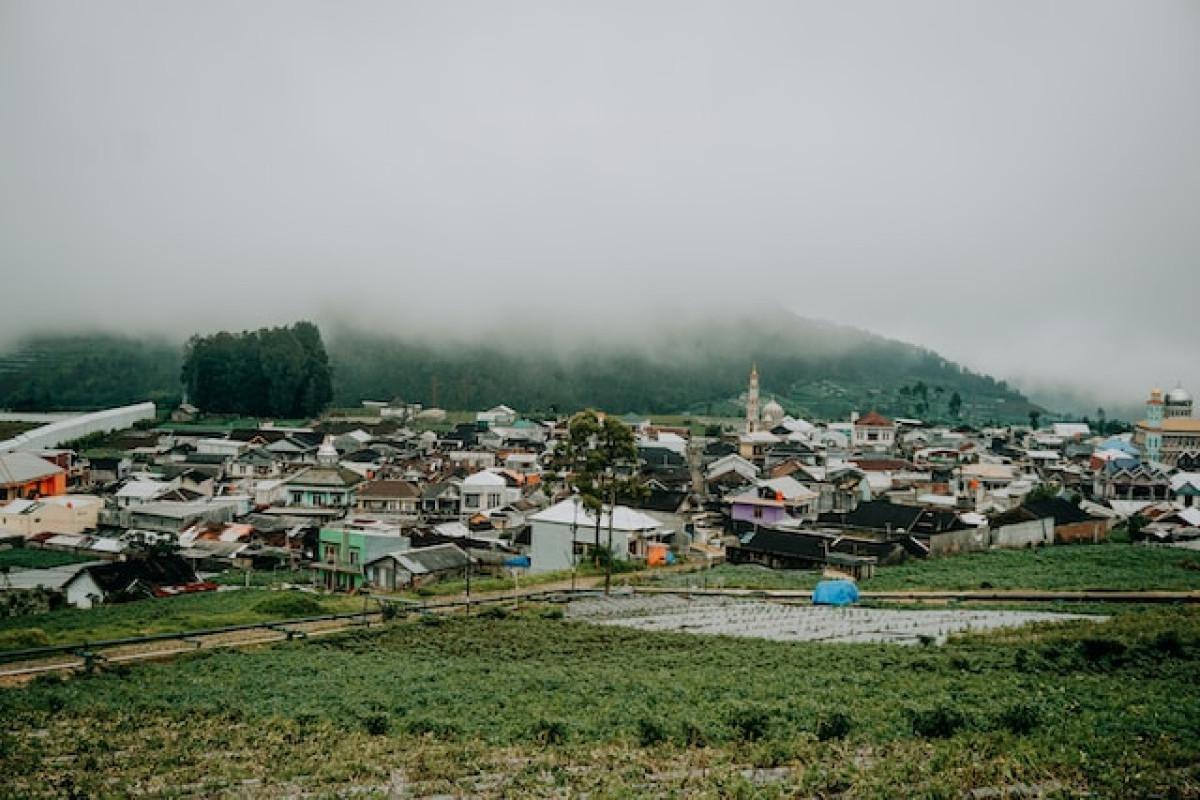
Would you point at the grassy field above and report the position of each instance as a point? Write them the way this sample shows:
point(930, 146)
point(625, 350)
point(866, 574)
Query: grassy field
point(1063, 568)
point(39, 559)
point(165, 615)
point(10, 429)
point(534, 705)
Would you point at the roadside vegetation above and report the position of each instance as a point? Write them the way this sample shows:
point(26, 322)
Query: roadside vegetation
point(531, 704)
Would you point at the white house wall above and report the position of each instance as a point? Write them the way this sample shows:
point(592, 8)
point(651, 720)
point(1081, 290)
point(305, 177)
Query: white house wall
point(551, 545)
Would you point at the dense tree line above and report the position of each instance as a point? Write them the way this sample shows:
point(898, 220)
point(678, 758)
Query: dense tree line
point(271, 372)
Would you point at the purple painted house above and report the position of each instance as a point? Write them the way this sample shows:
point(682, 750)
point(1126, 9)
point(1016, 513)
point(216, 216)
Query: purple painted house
point(773, 501)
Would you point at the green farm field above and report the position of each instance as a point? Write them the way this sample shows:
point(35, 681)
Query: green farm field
point(532, 705)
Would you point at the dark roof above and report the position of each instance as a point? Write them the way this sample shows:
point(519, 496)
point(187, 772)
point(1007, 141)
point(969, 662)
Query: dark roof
point(437, 558)
point(795, 544)
point(434, 490)
point(663, 500)
point(657, 456)
point(882, 464)
point(266, 435)
point(877, 515)
point(388, 489)
point(717, 449)
point(332, 477)
point(121, 576)
point(1063, 511)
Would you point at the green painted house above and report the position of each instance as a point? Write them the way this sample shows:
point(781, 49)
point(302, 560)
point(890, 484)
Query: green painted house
point(343, 550)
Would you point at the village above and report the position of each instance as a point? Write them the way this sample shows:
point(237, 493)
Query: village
point(398, 497)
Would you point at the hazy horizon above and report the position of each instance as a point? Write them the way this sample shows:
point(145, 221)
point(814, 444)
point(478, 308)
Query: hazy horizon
point(1014, 186)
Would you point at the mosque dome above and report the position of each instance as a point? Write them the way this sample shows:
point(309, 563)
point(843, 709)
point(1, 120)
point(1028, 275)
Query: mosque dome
point(1179, 396)
point(772, 411)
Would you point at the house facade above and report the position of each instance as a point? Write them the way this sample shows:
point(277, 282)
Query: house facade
point(564, 534)
point(342, 552)
point(24, 475)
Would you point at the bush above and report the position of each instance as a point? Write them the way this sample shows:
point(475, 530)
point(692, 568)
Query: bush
point(494, 612)
point(433, 728)
point(1019, 718)
point(651, 732)
point(694, 734)
point(378, 723)
point(549, 731)
point(833, 725)
point(23, 639)
point(937, 723)
point(290, 604)
point(1168, 642)
point(1100, 650)
point(750, 724)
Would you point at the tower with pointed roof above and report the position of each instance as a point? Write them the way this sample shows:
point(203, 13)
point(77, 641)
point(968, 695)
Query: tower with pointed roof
point(752, 414)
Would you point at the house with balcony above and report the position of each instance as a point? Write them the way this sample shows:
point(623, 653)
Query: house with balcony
point(344, 550)
point(390, 498)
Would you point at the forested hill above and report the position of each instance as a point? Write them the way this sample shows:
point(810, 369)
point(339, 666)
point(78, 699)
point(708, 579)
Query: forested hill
point(813, 369)
point(87, 371)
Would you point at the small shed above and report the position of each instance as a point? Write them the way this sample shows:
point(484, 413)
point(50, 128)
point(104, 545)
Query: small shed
point(420, 566)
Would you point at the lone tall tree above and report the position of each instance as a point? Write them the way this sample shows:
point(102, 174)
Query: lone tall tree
point(600, 460)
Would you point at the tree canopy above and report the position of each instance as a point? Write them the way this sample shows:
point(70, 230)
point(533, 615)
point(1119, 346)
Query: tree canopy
point(271, 372)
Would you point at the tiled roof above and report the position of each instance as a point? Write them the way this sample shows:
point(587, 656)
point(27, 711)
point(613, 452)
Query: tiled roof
point(873, 419)
point(389, 488)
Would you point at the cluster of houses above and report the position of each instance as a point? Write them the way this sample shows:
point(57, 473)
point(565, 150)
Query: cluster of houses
point(387, 503)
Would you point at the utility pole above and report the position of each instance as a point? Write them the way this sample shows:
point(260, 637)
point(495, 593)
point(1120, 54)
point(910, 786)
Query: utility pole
point(612, 510)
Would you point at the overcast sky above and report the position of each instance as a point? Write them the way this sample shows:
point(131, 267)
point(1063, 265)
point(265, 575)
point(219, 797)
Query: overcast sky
point(1013, 184)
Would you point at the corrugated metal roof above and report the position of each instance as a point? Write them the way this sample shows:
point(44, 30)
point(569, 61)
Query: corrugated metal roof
point(19, 468)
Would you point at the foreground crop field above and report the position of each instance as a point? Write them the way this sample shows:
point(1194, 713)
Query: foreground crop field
point(536, 705)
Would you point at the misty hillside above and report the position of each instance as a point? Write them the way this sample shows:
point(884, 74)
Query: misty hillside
point(813, 369)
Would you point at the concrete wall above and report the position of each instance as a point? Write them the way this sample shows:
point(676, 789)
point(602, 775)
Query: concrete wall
point(971, 540)
point(1090, 532)
point(1024, 534)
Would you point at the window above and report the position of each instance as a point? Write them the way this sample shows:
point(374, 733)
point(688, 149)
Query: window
point(353, 557)
point(331, 553)
point(471, 500)
point(493, 499)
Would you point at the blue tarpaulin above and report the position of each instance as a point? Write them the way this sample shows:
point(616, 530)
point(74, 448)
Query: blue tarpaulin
point(518, 561)
point(835, 593)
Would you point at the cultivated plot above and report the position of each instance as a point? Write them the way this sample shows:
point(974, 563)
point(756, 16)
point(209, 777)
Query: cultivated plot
point(790, 622)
